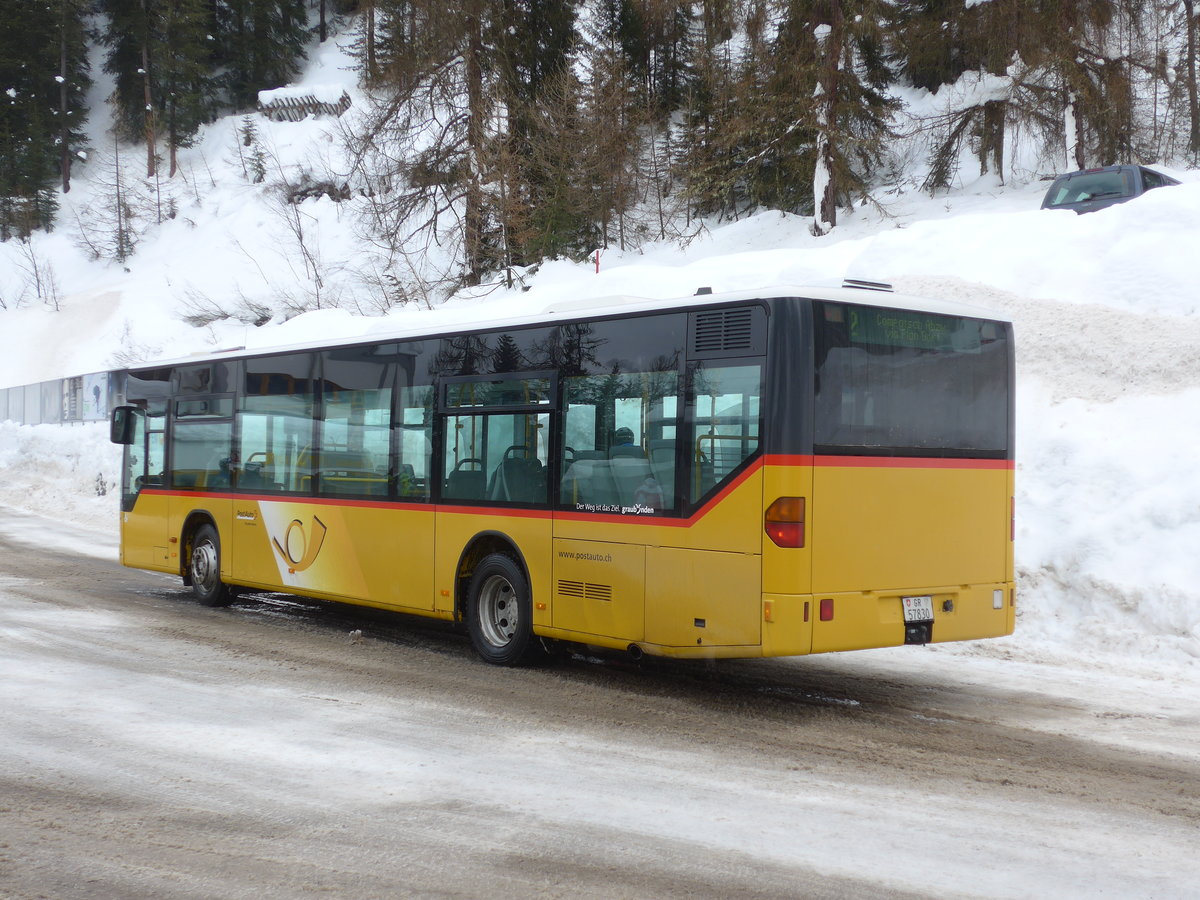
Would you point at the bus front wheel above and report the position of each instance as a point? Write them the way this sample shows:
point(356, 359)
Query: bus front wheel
point(499, 612)
point(204, 569)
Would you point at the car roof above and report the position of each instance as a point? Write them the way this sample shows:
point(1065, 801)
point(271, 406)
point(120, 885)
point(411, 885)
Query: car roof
point(1114, 168)
point(1095, 169)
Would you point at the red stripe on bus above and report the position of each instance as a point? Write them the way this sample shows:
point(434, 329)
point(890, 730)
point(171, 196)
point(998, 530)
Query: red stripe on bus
point(885, 462)
point(909, 462)
point(788, 459)
point(465, 510)
point(290, 498)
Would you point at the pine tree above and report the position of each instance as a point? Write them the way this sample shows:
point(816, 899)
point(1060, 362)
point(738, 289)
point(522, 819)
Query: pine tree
point(1101, 55)
point(133, 38)
point(614, 116)
point(731, 116)
point(657, 37)
point(183, 73)
point(426, 148)
point(851, 107)
point(110, 228)
point(927, 43)
point(545, 203)
point(261, 45)
point(253, 157)
point(936, 43)
point(802, 108)
point(43, 74)
point(475, 130)
point(73, 80)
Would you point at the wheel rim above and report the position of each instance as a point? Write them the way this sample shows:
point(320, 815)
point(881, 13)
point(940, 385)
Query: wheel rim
point(205, 570)
point(498, 618)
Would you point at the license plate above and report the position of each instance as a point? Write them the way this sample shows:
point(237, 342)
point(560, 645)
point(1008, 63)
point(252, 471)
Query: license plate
point(917, 609)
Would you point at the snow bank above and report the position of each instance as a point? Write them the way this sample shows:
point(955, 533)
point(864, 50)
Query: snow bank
point(1108, 511)
point(1137, 256)
point(67, 473)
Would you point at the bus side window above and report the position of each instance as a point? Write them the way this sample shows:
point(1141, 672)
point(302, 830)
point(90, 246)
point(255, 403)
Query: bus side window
point(496, 456)
point(135, 452)
point(156, 451)
point(726, 408)
point(202, 443)
point(275, 423)
point(201, 455)
point(619, 442)
point(145, 457)
point(415, 442)
point(354, 442)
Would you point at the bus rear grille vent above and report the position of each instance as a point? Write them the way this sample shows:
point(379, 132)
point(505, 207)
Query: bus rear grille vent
point(585, 591)
point(726, 329)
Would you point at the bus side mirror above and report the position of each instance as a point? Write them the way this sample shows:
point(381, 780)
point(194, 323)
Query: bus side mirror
point(121, 427)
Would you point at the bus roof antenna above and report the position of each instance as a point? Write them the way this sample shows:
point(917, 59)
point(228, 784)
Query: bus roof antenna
point(702, 291)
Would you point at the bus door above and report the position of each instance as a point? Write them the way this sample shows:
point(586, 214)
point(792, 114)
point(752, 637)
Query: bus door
point(494, 470)
point(144, 541)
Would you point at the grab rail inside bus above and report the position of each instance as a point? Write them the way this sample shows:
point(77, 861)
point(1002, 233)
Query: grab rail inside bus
point(709, 468)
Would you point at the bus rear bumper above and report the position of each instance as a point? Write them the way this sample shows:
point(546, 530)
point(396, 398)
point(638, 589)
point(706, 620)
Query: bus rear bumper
point(863, 619)
point(799, 624)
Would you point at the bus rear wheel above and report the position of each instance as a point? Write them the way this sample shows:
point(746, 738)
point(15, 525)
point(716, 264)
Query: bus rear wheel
point(500, 614)
point(204, 569)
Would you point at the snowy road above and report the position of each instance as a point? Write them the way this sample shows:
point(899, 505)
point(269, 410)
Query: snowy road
point(152, 748)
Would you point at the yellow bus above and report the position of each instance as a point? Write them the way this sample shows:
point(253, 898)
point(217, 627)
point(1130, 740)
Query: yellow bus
point(761, 473)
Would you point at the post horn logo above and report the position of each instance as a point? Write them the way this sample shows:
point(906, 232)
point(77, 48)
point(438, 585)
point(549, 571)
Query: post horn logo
point(299, 550)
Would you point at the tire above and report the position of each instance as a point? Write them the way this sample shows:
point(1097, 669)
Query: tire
point(204, 569)
point(500, 613)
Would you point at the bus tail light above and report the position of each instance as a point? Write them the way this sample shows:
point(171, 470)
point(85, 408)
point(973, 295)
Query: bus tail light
point(784, 522)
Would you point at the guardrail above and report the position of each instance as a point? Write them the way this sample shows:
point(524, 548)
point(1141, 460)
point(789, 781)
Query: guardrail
point(80, 398)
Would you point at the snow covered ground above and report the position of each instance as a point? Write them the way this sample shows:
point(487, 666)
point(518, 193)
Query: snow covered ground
point(1107, 314)
point(155, 748)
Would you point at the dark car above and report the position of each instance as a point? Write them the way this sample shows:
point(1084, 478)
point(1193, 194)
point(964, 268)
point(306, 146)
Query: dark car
point(1091, 189)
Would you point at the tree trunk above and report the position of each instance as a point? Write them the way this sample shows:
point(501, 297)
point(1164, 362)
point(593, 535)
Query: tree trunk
point(121, 255)
point(372, 65)
point(64, 117)
point(1190, 70)
point(991, 145)
point(1072, 131)
point(830, 43)
point(172, 99)
point(473, 219)
point(148, 111)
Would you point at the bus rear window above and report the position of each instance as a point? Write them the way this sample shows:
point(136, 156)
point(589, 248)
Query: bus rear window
point(894, 381)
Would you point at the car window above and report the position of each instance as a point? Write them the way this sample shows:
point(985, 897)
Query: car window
point(1152, 179)
point(1078, 188)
